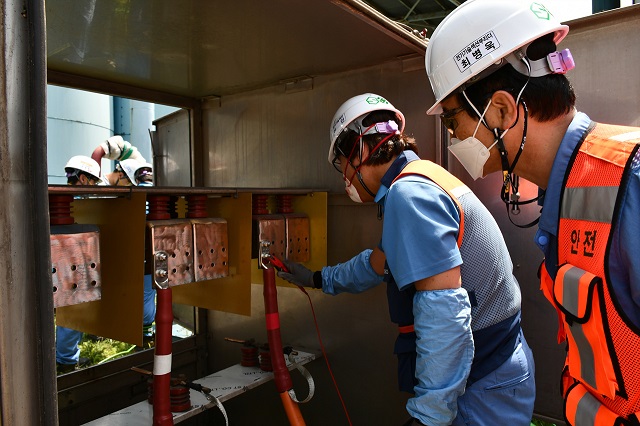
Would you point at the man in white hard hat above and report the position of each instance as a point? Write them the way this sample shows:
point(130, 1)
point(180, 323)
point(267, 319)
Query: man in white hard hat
point(501, 90)
point(450, 285)
point(137, 172)
point(82, 170)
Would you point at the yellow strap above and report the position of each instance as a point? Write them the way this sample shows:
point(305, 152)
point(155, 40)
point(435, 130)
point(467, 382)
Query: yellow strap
point(441, 177)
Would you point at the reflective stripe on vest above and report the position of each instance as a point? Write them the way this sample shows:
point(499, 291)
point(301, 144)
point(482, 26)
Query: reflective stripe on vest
point(578, 295)
point(583, 409)
point(602, 353)
point(445, 180)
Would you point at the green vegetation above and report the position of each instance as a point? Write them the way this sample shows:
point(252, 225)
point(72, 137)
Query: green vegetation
point(98, 350)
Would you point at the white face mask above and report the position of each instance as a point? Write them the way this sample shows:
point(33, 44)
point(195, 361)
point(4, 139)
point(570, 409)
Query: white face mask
point(352, 192)
point(472, 153)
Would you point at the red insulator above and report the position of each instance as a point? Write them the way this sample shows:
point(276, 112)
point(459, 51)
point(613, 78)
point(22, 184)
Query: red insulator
point(196, 206)
point(260, 204)
point(180, 398)
point(158, 207)
point(265, 358)
point(285, 203)
point(249, 356)
point(60, 209)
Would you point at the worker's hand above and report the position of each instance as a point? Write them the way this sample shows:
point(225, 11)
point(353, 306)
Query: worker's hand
point(298, 274)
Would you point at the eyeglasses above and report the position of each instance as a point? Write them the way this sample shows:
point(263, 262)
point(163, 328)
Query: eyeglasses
point(448, 118)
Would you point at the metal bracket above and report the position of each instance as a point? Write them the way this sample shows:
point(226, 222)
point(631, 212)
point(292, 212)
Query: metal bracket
point(265, 253)
point(161, 269)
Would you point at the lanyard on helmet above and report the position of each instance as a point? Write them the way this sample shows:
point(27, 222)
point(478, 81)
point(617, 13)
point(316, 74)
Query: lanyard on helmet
point(510, 181)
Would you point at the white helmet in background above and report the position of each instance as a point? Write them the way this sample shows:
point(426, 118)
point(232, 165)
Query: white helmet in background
point(144, 175)
point(129, 167)
point(84, 164)
point(353, 111)
point(481, 33)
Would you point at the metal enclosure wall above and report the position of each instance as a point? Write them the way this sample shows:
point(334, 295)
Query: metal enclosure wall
point(605, 48)
point(273, 138)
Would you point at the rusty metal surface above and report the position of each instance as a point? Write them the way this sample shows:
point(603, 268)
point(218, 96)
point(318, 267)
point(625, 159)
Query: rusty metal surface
point(175, 237)
point(298, 241)
point(269, 228)
point(75, 268)
point(109, 191)
point(211, 248)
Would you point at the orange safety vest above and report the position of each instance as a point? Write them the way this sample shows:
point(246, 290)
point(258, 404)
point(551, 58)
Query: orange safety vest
point(441, 177)
point(601, 379)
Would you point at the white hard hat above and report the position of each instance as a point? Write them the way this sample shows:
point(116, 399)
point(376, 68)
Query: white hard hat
point(84, 164)
point(480, 33)
point(130, 167)
point(353, 111)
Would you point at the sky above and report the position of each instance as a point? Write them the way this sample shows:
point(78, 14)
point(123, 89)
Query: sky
point(566, 10)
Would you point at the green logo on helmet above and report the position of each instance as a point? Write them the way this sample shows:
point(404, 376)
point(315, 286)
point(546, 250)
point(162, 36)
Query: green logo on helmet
point(374, 100)
point(540, 11)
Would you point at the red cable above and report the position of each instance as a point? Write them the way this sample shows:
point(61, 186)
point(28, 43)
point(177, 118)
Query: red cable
point(324, 354)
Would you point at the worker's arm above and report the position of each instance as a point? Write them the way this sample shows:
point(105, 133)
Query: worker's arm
point(444, 280)
point(353, 276)
point(444, 346)
point(377, 260)
point(97, 155)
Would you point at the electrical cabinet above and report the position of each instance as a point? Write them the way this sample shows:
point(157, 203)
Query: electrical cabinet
point(211, 262)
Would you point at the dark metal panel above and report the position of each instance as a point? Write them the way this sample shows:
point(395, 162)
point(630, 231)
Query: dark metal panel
point(197, 49)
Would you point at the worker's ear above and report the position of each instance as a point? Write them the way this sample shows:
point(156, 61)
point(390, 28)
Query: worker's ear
point(504, 112)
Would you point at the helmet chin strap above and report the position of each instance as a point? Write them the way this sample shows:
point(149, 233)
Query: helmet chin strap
point(510, 181)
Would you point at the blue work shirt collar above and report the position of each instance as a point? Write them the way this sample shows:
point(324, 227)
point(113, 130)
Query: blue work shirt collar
point(394, 170)
point(551, 204)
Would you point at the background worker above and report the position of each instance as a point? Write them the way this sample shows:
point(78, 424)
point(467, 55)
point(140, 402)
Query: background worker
point(449, 276)
point(510, 108)
point(116, 148)
point(137, 172)
point(80, 170)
